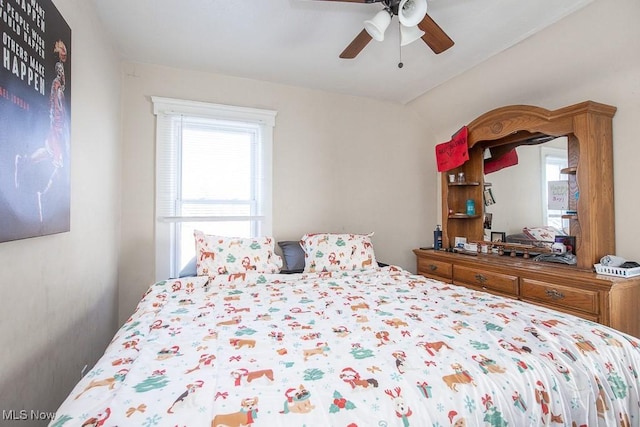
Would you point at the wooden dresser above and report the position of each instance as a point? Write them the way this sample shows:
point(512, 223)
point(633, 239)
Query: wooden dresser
point(608, 300)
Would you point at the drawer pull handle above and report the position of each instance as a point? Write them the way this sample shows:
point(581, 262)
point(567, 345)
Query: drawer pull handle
point(553, 294)
point(433, 267)
point(480, 278)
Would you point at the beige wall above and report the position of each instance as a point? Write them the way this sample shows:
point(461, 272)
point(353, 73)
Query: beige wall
point(341, 164)
point(593, 54)
point(59, 292)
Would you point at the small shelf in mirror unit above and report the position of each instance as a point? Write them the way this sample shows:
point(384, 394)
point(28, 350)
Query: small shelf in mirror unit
point(464, 184)
point(463, 216)
point(569, 171)
point(570, 216)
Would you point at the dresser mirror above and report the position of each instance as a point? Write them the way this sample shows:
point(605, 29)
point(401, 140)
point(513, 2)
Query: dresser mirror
point(587, 128)
point(520, 191)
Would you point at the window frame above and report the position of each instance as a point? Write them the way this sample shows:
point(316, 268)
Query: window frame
point(556, 156)
point(168, 174)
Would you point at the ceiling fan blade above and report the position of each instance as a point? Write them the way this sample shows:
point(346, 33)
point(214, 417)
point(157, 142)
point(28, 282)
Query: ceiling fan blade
point(356, 46)
point(437, 39)
point(354, 1)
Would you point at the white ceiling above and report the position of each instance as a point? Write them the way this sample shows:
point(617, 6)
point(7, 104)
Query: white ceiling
point(297, 42)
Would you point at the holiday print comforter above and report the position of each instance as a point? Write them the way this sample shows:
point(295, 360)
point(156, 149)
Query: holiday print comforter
point(381, 347)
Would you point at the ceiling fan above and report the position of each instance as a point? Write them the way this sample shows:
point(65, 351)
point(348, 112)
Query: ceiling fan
point(415, 23)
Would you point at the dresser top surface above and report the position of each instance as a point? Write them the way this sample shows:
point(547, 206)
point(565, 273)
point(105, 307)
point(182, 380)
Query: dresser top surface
point(520, 264)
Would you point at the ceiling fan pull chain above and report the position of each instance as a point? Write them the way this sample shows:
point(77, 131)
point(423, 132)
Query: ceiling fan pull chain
point(400, 64)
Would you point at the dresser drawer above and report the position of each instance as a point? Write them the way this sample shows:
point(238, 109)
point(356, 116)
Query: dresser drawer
point(565, 309)
point(487, 290)
point(435, 269)
point(503, 283)
point(558, 295)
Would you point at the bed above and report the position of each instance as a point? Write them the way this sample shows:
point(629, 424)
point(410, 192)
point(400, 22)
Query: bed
point(349, 343)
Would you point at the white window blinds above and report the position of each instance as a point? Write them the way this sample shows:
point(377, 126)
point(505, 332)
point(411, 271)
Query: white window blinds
point(213, 172)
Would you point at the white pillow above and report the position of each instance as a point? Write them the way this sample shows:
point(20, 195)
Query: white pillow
point(544, 233)
point(229, 255)
point(338, 252)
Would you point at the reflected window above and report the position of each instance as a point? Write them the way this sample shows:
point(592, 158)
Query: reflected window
point(553, 161)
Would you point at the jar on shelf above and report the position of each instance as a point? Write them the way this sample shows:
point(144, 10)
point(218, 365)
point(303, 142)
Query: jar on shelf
point(471, 207)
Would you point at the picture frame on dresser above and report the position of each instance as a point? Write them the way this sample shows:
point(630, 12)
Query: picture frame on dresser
point(498, 236)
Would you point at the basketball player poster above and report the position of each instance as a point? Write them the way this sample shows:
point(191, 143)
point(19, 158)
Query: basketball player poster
point(35, 120)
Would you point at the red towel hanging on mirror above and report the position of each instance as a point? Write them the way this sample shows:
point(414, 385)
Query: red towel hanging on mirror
point(510, 158)
point(454, 152)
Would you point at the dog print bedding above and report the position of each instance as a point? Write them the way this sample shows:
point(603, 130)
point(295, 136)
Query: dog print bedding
point(377, 347)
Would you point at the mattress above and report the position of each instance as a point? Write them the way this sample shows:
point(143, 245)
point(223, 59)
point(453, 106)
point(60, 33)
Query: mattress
point(380, 347)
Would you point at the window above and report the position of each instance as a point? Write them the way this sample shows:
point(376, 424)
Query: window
point(553, 161)
point(213, 173)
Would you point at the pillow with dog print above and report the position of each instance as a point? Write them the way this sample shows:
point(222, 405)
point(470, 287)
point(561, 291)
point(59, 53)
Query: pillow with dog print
point(338, 252)
point(543, 233)
point(230, 255)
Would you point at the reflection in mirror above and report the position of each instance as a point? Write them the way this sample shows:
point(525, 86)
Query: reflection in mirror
point(521, 191)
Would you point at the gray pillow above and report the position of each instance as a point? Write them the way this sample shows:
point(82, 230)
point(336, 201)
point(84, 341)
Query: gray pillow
point(189, 269)
point(293, 254)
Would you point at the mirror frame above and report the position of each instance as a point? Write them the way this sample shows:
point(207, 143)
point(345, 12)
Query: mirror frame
point(588, 128)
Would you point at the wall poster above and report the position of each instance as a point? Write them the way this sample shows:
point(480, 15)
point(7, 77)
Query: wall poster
point(35, 120)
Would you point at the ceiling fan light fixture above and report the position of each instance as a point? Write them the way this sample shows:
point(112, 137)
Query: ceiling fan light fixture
point(409, 34)
point(377, 25)
point(411, 12)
